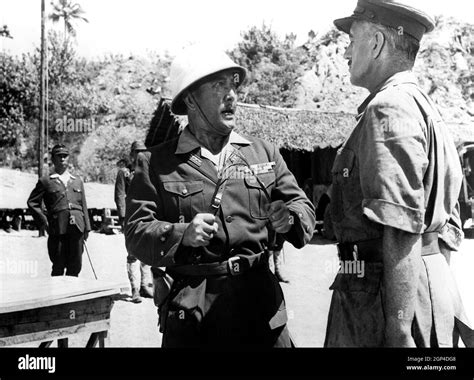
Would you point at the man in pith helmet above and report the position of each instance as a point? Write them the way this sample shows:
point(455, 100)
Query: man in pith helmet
point(205, 208)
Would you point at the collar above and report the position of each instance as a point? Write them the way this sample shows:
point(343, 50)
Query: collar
point(187, 141)
point(66, 173)
point(395, 80)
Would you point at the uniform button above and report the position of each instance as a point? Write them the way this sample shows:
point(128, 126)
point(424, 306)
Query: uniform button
point(162, 253)
point(163, 239)
point(300, 215)
point(166, 227)
point(229, 219)
point(184, 192)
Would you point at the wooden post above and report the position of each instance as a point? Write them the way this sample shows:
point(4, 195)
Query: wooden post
point(42, 95)
point(42, 103)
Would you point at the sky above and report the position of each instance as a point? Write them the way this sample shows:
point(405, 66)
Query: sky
point(143, 26)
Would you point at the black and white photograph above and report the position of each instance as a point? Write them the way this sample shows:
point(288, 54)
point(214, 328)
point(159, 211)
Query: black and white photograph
point(182, 180)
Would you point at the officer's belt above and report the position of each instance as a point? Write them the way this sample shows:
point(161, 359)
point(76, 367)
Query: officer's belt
point(234, 266)
point(69, 206)
point(372, 250)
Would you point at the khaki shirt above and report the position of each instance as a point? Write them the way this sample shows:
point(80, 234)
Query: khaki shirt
point(398, 168)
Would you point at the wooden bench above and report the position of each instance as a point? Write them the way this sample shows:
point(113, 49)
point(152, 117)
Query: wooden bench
point(54, 308)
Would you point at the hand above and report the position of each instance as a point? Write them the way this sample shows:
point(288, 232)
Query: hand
point(398, 334)
point(280, 217)
point(200, 231)
point(398, 341)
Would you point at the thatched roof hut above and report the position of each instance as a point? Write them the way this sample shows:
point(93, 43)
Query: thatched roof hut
point(294, 129)
point(290, 129)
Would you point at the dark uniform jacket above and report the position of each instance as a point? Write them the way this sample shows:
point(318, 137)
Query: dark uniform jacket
point(61, 203)
point(167, 191)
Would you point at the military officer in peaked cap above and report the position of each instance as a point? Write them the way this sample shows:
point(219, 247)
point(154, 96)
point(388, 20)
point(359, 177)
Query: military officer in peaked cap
point(396, 181)
point(67, 218)
point(206, 207)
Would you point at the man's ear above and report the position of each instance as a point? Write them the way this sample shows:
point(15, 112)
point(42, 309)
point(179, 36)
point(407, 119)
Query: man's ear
point(189, 101)
point(379, 43)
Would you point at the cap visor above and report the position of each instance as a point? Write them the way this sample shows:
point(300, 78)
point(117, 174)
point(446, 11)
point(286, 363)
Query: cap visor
point(344, 24)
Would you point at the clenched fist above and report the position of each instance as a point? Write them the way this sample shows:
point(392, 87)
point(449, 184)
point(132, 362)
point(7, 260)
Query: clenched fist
point(280, 217)
point(200, 231)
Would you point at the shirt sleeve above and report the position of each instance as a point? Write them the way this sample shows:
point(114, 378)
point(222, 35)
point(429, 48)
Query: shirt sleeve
point(84, 208)
point(120, 193)
point(35, 203)
point(451, 233)
point(393, 160)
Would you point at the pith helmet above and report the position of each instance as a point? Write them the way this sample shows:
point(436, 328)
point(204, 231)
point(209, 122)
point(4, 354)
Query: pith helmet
point(193, 64)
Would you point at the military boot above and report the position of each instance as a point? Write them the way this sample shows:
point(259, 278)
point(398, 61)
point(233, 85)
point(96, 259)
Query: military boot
point(280, 273)
point(133, 271)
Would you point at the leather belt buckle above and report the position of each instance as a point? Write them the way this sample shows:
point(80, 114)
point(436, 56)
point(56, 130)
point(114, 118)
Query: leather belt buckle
point(234, 265)
point(216, 201)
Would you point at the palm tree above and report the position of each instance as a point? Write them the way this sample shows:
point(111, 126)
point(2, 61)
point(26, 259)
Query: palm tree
point(68, 12)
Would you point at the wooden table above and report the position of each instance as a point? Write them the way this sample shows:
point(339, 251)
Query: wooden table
point(46, 309)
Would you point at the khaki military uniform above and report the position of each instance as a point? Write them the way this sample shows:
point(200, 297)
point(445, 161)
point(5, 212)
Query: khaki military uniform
point(175, 181)
point(67, 219)
point(398, 168)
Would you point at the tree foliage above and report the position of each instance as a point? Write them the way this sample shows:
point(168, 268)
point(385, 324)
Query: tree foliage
point(273, 64)
point(69, 13)
point(18, 97)
point(120, 93)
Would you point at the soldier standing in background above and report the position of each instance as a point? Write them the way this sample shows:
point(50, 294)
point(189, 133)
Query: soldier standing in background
point(139, 274)
point(67, 218)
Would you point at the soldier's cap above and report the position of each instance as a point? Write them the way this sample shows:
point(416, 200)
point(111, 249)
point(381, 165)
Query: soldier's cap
point(60, 149)
point(138, 146)
point(390, 13)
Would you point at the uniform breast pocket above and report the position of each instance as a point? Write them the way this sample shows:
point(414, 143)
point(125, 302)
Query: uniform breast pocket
point(53, 196)
point(342, 175)
point(258, 202)
point(187, 198)
point(77, 195)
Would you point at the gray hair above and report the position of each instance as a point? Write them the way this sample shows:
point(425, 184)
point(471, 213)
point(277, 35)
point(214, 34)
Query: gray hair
point(402, 45)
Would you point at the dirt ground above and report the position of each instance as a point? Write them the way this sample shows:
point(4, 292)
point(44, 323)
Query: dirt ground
point(310, 270)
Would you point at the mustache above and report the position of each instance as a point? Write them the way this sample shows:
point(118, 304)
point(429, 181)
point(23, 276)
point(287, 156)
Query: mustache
point(230, 108)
